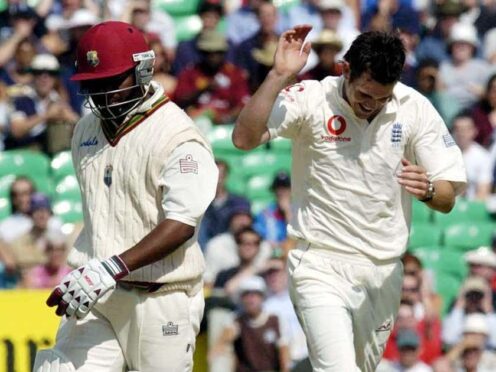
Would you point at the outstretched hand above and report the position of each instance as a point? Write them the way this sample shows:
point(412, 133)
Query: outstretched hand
point(292, 51)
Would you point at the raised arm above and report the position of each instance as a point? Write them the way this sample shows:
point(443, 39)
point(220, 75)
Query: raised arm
point(291, 55)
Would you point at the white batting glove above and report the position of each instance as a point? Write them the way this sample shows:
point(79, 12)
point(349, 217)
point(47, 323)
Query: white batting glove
point(81, 288)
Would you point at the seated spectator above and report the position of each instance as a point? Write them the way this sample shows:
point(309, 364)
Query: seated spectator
point(423, 306)
point(221, 252)
point(476, 158)
point(9, 275)
point(484, 115)
point(244, 23)
point(20, 199)
point(337, 16)
point(257, 336)
point(482, 263)
point(140, 14)
point(474, 298)
point(429, 333)
point(463, 75)
point(327, 46)
point(408, 344)
point(248, 246)
point(470, 353)
point(187, 52)
point(267, 34)
point(216, 218)
point(427, 83)
point(44, 107)
point(162, 66)
point(16, 72)
point(434, 44)
point(271, 222)
point(213, 87)
point(279, 303)
point(49, 274)
point(28, 249)
point(306, 12)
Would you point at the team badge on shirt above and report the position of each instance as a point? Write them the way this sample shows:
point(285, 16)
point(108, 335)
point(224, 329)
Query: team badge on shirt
point(396, 134)
point(107, 176)
point(188, 165)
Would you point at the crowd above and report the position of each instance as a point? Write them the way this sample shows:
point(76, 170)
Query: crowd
point(451, 59)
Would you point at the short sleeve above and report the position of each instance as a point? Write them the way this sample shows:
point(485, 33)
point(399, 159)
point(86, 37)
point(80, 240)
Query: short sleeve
point(288, 112)
point(189, 180)
point(436, 150)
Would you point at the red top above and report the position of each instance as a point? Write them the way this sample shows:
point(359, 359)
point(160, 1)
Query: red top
point(229, 89)
point(430, 342)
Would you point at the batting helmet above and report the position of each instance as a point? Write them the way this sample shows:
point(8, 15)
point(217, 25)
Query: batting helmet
point(107, 50)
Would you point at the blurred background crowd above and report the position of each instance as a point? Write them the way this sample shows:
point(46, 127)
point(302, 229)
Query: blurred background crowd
point(211, 55)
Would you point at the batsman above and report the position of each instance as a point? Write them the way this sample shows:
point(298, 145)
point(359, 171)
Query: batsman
point(364, 146)
point(134, 301)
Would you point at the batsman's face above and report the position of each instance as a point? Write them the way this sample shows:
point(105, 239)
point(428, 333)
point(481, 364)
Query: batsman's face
point(365, 95)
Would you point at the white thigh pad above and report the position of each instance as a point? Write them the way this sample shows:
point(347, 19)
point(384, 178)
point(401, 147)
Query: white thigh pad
point(52, 360)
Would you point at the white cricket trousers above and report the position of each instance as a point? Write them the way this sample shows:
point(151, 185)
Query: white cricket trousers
point(346, 306)
point(131, 330)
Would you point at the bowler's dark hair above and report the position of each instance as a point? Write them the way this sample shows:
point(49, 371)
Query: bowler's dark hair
point(381, 54)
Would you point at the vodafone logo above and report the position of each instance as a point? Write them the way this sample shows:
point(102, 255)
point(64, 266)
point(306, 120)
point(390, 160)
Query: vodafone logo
point(336, 125)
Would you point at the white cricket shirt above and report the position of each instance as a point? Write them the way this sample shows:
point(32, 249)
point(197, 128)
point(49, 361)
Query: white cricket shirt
point(345, 192)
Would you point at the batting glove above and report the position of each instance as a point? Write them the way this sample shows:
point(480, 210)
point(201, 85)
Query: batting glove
point(81, 288)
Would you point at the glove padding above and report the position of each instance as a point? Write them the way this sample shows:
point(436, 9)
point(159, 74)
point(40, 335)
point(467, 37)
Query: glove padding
point(81, 288)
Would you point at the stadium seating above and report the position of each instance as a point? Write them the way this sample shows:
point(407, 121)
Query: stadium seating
point(177, 7)
point(420, 212)
point(281, 145)
point(68, 189)
point(5, 208)
point(68, 211)
point(464, 210)
point(187, 26)
point(468, 235)
point(258, 187)
point(424, 234)
point(24, 162)
point(447, 287)
point(61, 165)
point(265, 162)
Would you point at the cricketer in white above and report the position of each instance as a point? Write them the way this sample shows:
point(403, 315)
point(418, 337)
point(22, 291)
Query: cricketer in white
point(134, 301)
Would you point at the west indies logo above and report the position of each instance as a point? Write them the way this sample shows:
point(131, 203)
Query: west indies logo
point(335, 126)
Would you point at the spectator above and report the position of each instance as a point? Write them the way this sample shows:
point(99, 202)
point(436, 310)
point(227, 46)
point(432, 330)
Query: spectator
point(140, 14)
point(306, 12)
point(244, 23)
point(482, 263)
point(49, 274)
point(28, 249)
point(187, 52)
point(474, 298)
point(162, 66)
point(221, 252)
point(257, 337)
point(279, 303)
point(434, 44)
point(213, 87)
point(271, 222)
point(267, 17)
point(216, 219)
point(429, 333)
point(408, 344)
point(9, 275)
point(44, 107)
point(427, 83)
point(337, 17)
point(16, 72)
point(20, 199)
point(18, 21)
point(327, 46)
point(72, 30)
point(248, 243)
point(470, 353)
point(423, 306)
point(409, 29)
point(484, 114)
point(463, 75)
point(476, 158)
